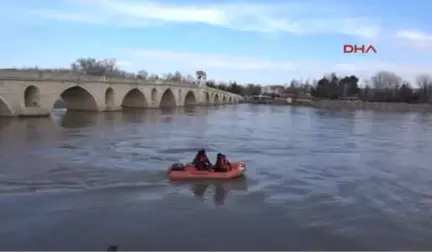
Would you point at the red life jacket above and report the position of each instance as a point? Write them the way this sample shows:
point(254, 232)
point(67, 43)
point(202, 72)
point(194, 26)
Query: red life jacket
point(225, 164)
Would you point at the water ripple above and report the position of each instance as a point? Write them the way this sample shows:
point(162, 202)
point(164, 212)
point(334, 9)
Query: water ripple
point(351, 175)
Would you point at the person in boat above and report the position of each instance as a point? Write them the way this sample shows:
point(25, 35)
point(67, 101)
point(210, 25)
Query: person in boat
point(201, 161)
point(222, 163)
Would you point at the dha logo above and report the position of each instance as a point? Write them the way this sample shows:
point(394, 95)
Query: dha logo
point(364, 49)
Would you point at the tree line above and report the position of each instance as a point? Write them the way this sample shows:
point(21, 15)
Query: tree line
point(110, 68)
point(384, 86)
point(245, 90)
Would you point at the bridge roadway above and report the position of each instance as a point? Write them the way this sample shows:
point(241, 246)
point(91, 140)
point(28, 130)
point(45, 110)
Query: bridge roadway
point(33, 93)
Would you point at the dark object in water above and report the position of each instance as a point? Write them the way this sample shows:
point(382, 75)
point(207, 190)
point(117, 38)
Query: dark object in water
point(112, 248)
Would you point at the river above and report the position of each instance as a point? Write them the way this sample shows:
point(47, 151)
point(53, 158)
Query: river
point(316, 180)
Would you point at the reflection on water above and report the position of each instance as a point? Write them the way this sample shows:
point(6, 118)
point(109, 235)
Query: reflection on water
point(79, 119)
point(220, 191)
point(316, 180)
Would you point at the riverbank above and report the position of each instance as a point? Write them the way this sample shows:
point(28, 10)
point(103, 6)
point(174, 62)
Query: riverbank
point(377, 106)
point(346, 104)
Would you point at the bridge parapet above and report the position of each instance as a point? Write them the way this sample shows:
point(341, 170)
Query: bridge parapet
point(70, 76)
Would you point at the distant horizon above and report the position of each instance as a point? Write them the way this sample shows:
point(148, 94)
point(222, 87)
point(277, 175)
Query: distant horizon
point(361, 82)
point(247, 42)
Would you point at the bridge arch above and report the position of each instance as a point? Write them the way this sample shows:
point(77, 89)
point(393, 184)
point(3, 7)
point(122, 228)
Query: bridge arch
point(190, 99)
point(154, 96)
point(223, 99)
point(109, 98)
point(134, 99)
point(216, 99)
point(167, 99)
point(78, 98)
point(5, 108)
point(31, 96)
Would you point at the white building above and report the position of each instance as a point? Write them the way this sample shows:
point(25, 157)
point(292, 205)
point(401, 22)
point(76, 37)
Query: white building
point(273, 89)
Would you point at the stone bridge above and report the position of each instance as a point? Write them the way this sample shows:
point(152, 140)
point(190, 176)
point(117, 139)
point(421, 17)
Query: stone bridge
point(34, 93)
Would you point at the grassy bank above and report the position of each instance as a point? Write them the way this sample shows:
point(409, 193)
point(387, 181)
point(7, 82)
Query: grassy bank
point(377, 106)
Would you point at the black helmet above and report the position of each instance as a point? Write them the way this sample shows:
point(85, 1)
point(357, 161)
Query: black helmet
point(201, 152)
point(219, 155)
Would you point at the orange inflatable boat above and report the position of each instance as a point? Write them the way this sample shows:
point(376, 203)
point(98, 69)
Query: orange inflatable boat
point(188, 171)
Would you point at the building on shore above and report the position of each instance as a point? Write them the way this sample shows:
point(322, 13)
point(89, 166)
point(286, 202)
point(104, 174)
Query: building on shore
point(273, 89)
point(279, 94)
point(259, 99)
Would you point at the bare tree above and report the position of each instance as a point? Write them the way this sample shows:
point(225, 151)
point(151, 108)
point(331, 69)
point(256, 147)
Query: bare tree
point(167, 76)
point(294, 83)
point(386, 80)
point(154, 77)
point(189, 79)
point(143, 74)
point(177, 76)
point(96, 67)
point(424, 82)
point(368, 91)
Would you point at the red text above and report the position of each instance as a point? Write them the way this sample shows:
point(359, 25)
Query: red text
point(359, 48)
